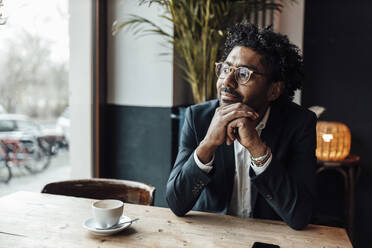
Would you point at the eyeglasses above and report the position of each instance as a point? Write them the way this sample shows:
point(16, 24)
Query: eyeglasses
point(241, 74)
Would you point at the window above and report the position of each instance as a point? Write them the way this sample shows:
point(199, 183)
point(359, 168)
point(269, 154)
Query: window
point(34, 88)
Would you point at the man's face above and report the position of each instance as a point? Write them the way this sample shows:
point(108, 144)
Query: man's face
point(255, 92)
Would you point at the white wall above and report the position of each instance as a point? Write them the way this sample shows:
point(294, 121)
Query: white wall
point(80, 82)
point(292, 21)
point(137, 74)
point(292, 24)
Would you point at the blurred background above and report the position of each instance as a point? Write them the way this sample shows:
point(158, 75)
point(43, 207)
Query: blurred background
point(34, 94)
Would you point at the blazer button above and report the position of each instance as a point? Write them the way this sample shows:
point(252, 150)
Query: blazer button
point(269, 197)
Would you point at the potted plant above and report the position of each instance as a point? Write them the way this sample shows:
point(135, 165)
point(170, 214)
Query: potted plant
point(199, 28)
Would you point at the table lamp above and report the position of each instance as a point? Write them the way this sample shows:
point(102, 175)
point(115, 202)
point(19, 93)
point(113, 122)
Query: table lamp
point(333, 141)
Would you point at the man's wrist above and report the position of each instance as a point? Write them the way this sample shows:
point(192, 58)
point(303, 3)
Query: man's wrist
point(256, 148)
point(205, 167)
point(205, 151)
point(261, 161)
point(260, 169)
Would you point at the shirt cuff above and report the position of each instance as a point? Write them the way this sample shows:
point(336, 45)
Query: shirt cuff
point(259, 170)
point(204, 167)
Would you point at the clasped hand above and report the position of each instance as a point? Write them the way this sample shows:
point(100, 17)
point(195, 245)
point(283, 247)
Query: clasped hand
point(234, 121)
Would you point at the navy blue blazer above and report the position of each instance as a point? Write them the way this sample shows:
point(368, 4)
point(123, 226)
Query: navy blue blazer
point(286, 190)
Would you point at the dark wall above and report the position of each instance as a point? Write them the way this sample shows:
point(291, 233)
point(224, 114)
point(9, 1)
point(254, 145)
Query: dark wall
point(139, 146)
point(337, 55)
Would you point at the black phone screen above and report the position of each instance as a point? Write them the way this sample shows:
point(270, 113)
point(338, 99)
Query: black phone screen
point(264, 245)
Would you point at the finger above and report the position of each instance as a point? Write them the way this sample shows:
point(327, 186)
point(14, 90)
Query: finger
point(228, 141)
point(238, 107)
point(236, 114)
point(231, 131)
point(230, 107)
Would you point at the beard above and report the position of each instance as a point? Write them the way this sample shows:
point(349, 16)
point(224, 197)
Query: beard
point(234, 96)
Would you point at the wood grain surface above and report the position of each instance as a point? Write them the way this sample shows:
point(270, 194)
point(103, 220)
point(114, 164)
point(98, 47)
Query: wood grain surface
point(43, 220)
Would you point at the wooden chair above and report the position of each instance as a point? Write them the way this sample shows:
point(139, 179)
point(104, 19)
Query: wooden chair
point(124, 190)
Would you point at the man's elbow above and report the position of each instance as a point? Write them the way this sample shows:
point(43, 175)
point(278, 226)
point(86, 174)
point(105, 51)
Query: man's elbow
point(174, 204)
point(298, 225)
point(177, 210)
point(300, 222)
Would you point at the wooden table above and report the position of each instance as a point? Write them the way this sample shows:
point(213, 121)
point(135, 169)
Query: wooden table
point(42, 220)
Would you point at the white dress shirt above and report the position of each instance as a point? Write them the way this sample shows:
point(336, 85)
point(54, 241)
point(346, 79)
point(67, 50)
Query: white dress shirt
point(240, 204)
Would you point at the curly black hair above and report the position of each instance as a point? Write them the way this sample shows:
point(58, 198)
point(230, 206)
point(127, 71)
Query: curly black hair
point(282, 59)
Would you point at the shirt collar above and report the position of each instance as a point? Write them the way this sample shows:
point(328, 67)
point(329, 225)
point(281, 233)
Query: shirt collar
point(263, 122)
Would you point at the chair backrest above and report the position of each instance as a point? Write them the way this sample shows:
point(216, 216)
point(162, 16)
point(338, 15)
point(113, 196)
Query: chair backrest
point(124, 190)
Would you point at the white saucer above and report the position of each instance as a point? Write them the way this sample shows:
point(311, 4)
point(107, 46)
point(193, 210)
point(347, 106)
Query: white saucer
point(90, 224)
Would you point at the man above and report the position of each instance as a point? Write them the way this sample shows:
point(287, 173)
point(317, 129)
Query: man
point(251, 153)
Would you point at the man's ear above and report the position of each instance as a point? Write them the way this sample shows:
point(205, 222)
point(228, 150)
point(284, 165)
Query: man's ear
point(275, 90)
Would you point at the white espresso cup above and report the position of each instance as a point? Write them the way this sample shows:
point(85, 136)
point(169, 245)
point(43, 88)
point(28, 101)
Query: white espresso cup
point(107, 213)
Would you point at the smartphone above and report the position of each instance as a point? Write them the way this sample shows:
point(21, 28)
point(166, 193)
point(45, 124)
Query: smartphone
point(264, 245)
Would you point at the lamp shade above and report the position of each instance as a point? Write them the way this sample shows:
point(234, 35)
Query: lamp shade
point(333, 141)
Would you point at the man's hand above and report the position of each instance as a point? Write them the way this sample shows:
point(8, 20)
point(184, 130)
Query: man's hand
point(217, 131)
point(244, 130)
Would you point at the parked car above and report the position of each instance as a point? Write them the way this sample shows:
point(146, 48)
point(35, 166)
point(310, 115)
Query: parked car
point(23, 143)
point(54, 137)
point(63, 124)
point(2, 110)
point(20, 127)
